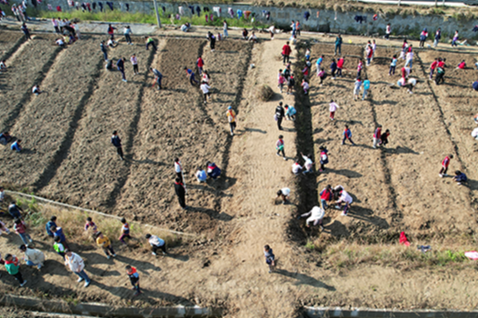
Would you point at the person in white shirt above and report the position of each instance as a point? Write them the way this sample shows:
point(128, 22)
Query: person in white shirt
point(316, 215)
point(36, 90)
point(308, 163)
point(296, 167)
point(346, 200)
point(2, 194)
point(75, 263)
point(284, 194)
point(77, 30)
point(409, 60)
point(3, 66)
point(178, 168)
point(111, 43)
point(156, 243)
point(374, 48)
point(252, 37)
point(201, 175)
point(127, 34)
point(33, 257)
point(474, 133)
point(205, 91)
point(60, 42)
point(332, 109)
point(134, 61)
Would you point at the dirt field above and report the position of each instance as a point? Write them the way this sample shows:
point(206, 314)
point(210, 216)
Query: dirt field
point(68, 157)
point(8, 40)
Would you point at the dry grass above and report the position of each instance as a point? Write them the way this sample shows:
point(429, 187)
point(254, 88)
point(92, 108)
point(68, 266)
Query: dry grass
point(264, 93)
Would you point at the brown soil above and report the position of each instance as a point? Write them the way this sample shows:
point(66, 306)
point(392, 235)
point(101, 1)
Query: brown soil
point(8, 40)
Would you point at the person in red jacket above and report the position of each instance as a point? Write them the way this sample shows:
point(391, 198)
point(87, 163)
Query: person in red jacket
point(340, 66)
point(444, 166)
point(326, 195)
point(286, 50)
point(376, 135)
point(200, 64)
point(433, 66)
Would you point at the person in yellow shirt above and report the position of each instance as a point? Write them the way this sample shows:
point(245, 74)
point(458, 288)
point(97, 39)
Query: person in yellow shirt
point(231, 117)
point(105, 243)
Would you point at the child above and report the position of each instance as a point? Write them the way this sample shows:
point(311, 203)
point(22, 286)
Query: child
point(200, 64)
point(307, 54)
point(21, 229)
point(462, 65)
point(58, 232)
point(347, 135)
point(58, 247)
point(332, 109)
point(308, 163)
point(433, 66)
point(359, 68)
point(156, 243)
point(346, 199)
point(231, 118)
point(281, 80)
point(134, 62)
point(316, 215)
point(393, 65)
point(280, 147)
point(305, 86)
point(306, 70)
point(409, 59)
point(48, 226)
point(326, 195)
point(374, 48)
point(90, 225)
point(459, 177)
point(376, 136)
point(404, 50)
point(324, 158)
point(124, 231)
point(191, 76)
point(366, 87)
point(333, 68)
point(384, 138)
point(290, 112)
point(270, 258)
point(36, 90)
point(322, 75)
point(455, 38)
point(369, 53)
point(444, 166)
point(134, 278)
point(319, 63)
point(12, 265)
point(340, 66)
point(388, 30)
point(3, 228)
point(213, 170)
point(16, 146)
point(296, 167)
point(105, 243)
point(358, 83)
point(206, 91)
point(290, 84)
point(284, 194)
point(423, 37)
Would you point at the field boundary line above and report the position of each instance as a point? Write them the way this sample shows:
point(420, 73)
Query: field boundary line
point(88, 210)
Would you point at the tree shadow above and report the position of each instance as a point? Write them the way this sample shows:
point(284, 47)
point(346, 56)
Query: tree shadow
point(384, 102)
point(344, 172)
point(400, 150)
point(302, 279)
point(364, 214)
point(212, 213)
point(247, 129)
point(179, 257)
point(204, 186)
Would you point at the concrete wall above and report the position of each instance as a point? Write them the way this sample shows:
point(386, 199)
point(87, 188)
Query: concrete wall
point(328, 21)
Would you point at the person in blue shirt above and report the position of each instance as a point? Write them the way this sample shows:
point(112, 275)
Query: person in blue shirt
point(366, 87)
point(5, 138)
point(116, 141)
point(201, 175)
point(347, 135)
point(475, 85)
point(459, 177)
point(58, 232)
point(191, 76)
point(120, 66)
point(14, 210)
point(212, 170)
point(338, 44)
point(157, 77)
point(290, 112)
point(103, 49)
point(16, 146)
point(49, 225)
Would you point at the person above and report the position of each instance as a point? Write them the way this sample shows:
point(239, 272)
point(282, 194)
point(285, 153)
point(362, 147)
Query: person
point(332, 109)
point(347, 135)
point(180, 192)
point(76, 264)
point(280, 147)
point(60, 42)
point(437, 37)
point(110, 43)
point(346, 200)
point(224, 29)
point(433, 66)
point(201, 175)
point(384, 138)
point(90, 225)
point(410, 84)
point(290, 84)
point(178, 168)
point(105, 243)
point(286, 50)
point(15, 211)
point(12, 265)
point(157, 77)
point(423, 37)
point(305, 85)
point(359, 67)
point(307, 54)
point(26, 31)
point(338, 44)
point(111, 31)
point(366, 87)
point(290, 112)
point(116, 141)
point(281, 80)
point(324, 157)
point(127, 35)
point(59, 247)
point(462, 65)
point(3, 66)
point(124, 231)
point(133, 278)
point(5, 138)
point(150, 41)
point(205, 91)
point(33, 257)
point(369, 53)
point(191, 76)
point(212, 41)
point(16, 145)
point(120, 66)
point(36, 90)
point(474, 85)
point(333, 68)
point(58, 232)
point(376, 136)
point(21, 229)
point(48, 226)
point(459, 177)
point(284, 194)
point(231, 118)
point(444, 166)
point(357, 85)
point(297, 28)
point(409, 59)
point(55, 25)
point(185, 27)
point(293, 27)
point(296, 167)
point(244, 34)
point(455, 38)
point(270, 258)
point(305, 71)
point(308, 163)
point(340, 66)
point(156, 243)
point(315, 215)
point(134, 61)
point(440, 77)
point(326, 195)
point(253, 37)
point(2, 195)
point(393, 65)
point(205, 77)
point(279, 115)
point(200, 64)
point(213, 170)
point(374, 48)
point(388, 30)
point(104, 50)
point(318, 64)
